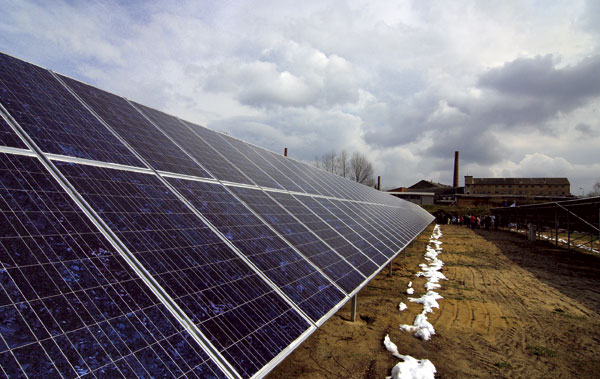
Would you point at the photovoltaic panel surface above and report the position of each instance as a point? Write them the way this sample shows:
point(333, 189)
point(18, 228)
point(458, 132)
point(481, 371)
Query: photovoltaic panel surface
point(241, 315)
point(69, 303)
point(158, 150)
point(298, 279)
point(372, 223)
point(9, 137)
point(305, 175)
point(133, 273)
point(195, 146)
point(233, 155)
point(260, 161)
point(352, 235)
point(279, 163)
point(341, 210)
point(331, 263)
point(328, 233)
point(53, 117)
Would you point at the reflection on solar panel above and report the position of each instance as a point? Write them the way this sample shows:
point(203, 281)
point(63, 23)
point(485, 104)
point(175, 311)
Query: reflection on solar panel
point(270, 253)
point(8, 137)
point(133, 127)
point(56, 121)
point(69, 304)
point(219, 293)
point(136, 244)
point(231, 154)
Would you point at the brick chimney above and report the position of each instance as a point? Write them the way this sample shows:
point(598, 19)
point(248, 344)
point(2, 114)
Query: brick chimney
point(455, 182)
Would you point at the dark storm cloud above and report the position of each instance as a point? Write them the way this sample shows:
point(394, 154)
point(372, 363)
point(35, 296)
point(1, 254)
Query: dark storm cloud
point(538, 78)
point(475, 146)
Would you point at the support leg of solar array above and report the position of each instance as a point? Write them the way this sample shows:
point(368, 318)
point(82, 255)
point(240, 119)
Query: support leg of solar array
point(390, 273)
point(568, 230)
point(353, 308)
point(555, 229)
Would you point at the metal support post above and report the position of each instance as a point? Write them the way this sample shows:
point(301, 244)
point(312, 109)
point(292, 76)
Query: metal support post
point(568, 229)
point(555, 228)
point(390, 273)
point(353, 308)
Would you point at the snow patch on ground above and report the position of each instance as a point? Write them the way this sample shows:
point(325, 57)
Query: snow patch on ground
point(430, 270)
point(410, 368)
point(402, 306)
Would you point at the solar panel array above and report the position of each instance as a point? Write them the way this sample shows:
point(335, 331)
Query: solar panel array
point(134, 243)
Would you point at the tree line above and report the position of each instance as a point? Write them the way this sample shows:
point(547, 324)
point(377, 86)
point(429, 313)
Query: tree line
point(354, 167)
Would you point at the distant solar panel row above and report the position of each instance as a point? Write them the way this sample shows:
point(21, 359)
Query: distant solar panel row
point(197, 255)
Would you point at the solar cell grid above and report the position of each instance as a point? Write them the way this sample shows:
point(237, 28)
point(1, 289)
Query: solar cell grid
point(54, 118)
point(242, 316)
point(260, 161)
point(233, 155)
point(398, 218)
point(310, 290)
point(383, 227)
point(195, 146)
point(9, 137)
point(325, 210)
point(327, 233)
point(370, 224)
point(302, 239)
point(148, 141)
point(351, 218)
point(278, 162)
point(307, 176)
point(69, 304)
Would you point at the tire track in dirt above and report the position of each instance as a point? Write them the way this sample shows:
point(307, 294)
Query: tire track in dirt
point(511, 309)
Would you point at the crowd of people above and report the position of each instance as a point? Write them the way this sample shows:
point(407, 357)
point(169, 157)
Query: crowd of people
point(486, 222)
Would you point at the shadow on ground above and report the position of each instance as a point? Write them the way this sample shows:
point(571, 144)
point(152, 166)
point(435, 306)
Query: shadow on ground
point(553, 265)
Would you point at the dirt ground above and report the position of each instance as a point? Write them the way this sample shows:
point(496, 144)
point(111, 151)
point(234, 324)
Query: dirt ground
point(511, 309)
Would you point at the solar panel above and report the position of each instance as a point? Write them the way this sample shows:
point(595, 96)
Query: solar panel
point(308, 288)
point(360, 226)
point(352, 235)
point(278, 162)
point(189, 258)
point(241, 315)
point(195, 146)
point(69, 304)
point(322, 256)
point(260, 161)
point(8, 137)
point(54, 118)
point(231, 154)
point(327, 233)
point(156, 148)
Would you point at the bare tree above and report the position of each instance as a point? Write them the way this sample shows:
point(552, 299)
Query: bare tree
point(595, 189)
point(328, 162)
point(361, 170)
point(343, 165)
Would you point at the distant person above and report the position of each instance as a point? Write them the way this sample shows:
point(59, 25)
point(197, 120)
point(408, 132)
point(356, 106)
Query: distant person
point(473, 222)
point(514, 204)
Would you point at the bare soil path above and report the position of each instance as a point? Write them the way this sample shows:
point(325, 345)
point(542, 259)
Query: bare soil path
point(511, 309)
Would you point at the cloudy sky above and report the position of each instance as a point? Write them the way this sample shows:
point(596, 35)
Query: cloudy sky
point(513, 85)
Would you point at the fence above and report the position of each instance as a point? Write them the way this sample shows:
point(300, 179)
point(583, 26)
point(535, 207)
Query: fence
point(574, 223)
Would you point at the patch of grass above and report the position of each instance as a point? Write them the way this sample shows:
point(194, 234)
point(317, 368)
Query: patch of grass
point(559, 310)
point(503, 364)
point(541, 351)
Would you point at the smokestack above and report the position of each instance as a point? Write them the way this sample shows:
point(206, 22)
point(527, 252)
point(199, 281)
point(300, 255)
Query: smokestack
point(379, 183)
point(285, 151)
point(455, 182)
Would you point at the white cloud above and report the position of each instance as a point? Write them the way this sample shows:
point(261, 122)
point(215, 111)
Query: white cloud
point(407, 83)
